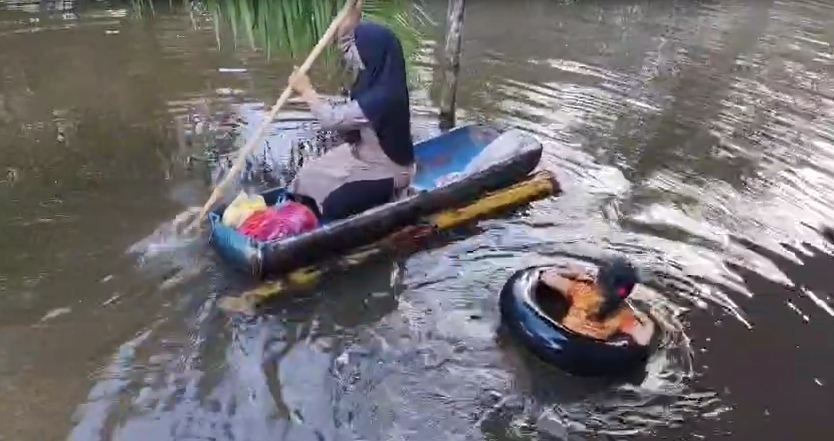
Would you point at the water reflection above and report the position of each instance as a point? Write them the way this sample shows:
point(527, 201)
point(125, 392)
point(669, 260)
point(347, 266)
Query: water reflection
point(244, 379)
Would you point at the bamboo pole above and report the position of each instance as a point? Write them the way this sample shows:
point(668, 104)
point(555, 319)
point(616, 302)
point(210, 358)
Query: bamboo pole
point(451, 63)
point(258, 136)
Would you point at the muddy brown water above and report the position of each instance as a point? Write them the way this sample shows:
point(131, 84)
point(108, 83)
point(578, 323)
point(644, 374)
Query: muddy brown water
point(696, 137)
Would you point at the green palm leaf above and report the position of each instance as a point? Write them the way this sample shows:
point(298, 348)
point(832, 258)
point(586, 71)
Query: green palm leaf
point(291, 27)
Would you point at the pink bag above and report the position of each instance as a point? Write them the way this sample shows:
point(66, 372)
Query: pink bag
point(275, 223)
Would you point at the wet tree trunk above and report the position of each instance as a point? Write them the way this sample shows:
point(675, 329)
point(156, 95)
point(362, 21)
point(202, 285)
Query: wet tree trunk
point(451, 63)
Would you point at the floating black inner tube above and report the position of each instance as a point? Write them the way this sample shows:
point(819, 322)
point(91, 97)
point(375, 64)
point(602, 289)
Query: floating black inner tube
point(532, 312)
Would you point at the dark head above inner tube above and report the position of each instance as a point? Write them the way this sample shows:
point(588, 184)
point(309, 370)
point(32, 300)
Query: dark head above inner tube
point(616, 278)
point(828, 233)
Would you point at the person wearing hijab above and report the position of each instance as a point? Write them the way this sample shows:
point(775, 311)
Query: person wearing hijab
point(597, 306)
point(377, 161)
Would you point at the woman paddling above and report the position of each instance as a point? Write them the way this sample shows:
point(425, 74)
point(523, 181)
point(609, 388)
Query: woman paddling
point(378, 159)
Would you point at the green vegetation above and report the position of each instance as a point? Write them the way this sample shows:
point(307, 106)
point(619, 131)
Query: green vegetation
point(292, 27)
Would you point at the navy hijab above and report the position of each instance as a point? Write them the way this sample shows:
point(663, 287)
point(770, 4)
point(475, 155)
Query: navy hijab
point(381, 90)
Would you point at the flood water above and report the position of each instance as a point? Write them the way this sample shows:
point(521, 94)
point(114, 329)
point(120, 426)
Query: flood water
point(697, 137)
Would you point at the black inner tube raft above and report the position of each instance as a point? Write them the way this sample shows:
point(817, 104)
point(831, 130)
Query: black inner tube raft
point(531, 312)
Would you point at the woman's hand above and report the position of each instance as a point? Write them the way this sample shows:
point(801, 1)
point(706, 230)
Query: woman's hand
point(300, 83)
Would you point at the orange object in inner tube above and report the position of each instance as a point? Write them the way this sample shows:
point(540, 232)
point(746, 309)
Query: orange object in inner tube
point(275, 223)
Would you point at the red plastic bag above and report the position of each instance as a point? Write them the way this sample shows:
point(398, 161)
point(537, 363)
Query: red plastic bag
point(287, 220)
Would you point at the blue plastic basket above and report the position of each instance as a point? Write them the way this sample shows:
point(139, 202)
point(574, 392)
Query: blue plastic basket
point(241, 251)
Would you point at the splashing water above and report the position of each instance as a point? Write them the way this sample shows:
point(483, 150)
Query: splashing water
point(169, 236)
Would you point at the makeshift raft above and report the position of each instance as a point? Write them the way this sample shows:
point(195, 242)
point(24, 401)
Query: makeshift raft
point(404, 241)
point(452, 169)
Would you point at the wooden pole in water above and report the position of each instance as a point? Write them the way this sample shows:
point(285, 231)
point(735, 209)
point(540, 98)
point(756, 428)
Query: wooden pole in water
point(451, 63)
